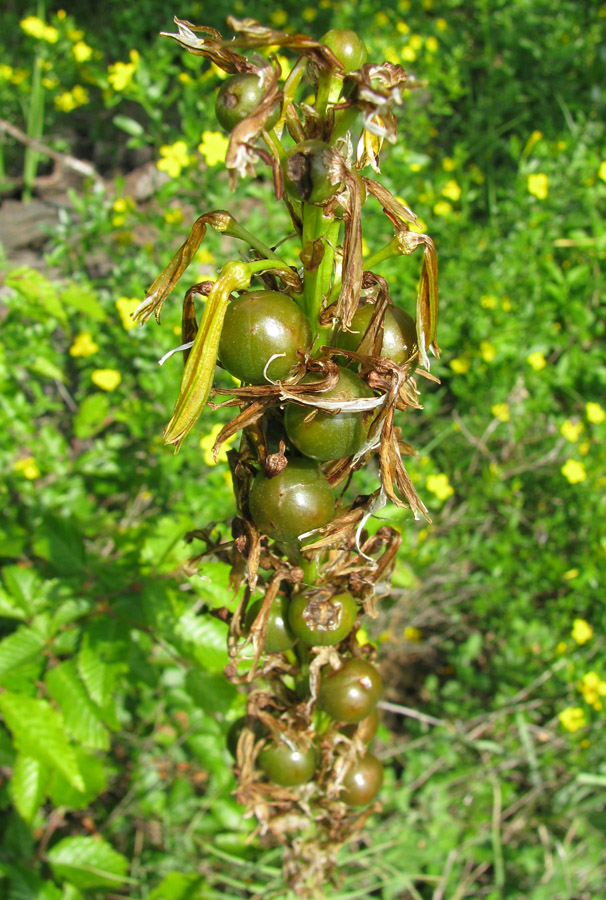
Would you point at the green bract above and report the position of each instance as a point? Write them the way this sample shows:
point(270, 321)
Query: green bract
point(260, 325)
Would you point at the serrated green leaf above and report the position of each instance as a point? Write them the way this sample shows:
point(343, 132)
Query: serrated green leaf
point(28, 786)
point(22, 584)
point(208, 637)
point(92, 415)
point(82, 716)
point(84, 300)
point(59, 541)
point(9, 608)
point(93, 774)
point(88, 863)
point(19, 648)
point(98, 676)
point(39, 731)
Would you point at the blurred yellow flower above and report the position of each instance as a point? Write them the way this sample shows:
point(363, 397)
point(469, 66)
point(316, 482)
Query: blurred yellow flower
point(602, 170)
point(285, 65)
point(460, 365)
point(570, 575)
point(309, 13)
point(381, 19)
point(83, 345)
point(500, 411)
point(126, 307)
point(537, 361)
point(208, 442)
point(452, 190)
point(572, 718)
point(28, 468)
point(441, 24)
point(185, 78)
point(534, 138)
point(488, 351)
point(36, 28)
point(205, 257)
point(362, 637)
point(82, 51)
point(488, 301)
point(412, 634)
point(574, 471)
point(431, 44)
point(571, 430)
point(69, 100)
point(121, 74)
point(6, 72)
point(415, 41)
point(106, 379)
point(174, 158)
point(595, 413)
point(561, 647)
point(402, 27)
point(279, 17)
point(440, 486)
point(173, 216)
point(408, 54)
point(538, 185)
point(581, 631)
point(442, 208)
point(213, 147)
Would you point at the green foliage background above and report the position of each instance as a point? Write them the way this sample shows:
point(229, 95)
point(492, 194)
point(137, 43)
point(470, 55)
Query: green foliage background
point(115, 780)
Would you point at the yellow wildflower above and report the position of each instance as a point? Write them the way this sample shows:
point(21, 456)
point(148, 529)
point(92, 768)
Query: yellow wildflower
point(452, 190)
point(488, 351)
point(442, 208)
point(208, 442)
point(460, 365)
point(279, 18)
point(402, 27)
point(65, 101)
point(570, 575)
point(50, 82)
point(309, 13)
point(561, 647)
point(581, 631)
point(595, 413)
point(500, 411)
point(121, 74)
point(82, 51)
point(173, 216)
point(205, 257)
point(381, 19)
point(489, 301)
point(75, 34)
point(572, 718)
point(36, 28)
point(448, 164)
point(602, 170)
point(126, 306)
point(440, 486)
point(28, 468)
point(441, 24)
point(412, 634)
point(431, 44)
point(574, 471)
point(6, 72)
point(213, 147)
point(106, 379)
point(175, 157)
point(571, 430)
point(537, 361)
point(83, 345)
point(362, 637)
point(185, 78)
point(538, 185)
point(408, 54)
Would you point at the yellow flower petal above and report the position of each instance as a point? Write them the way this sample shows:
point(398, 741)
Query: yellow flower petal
point(126, 306)
point(574, 471)
point(538, 185)
point(83, 345)
point(440, 486)
point(213, 147)
point(571, 430)
point(581, 631)
point(537, 361)
point(595, 413)
point(106, 379)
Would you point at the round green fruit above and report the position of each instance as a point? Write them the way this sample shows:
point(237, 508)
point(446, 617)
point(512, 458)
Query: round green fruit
point(350, 693)
point(363, 781)
point(296, 500)
point(318, 622)
point(326, 435)
point(238, 96)
point(287, 766)
point(349, 49)
point(399, 333)
point(257, 326)
point(306, 174)
point(278, 637)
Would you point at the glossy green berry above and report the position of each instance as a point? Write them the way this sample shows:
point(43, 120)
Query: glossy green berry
point(349, 49)
point(287, 766)
point(295, 501)
point(326, 435)
point(363, 781)
point(366, 729)
point(257, 326)
point(278, 637)
point(319, 622)
point(399, 333)
point(238, 96)
point(350, 693)
point(233, 735)
point(306, 174)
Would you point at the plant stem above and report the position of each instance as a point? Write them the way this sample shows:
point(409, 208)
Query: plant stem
point(35, 122)
point(242, 234)
point(317, 281)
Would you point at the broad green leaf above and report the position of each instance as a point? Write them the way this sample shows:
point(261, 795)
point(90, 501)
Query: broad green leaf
point(28, 785)
point(82, 716)
point(24, 585)
point(24, 883)
point(209, 638)
point(39, 731)
point(7, 750)
point(178, 886)
point(93, 774)
point(84, 300)
point(10, 608)
point(46, 368)
point(19, 648)
point(59, 541)
point(92, 415)
point(40, 293)
point(87, 862)
point(98, 675)
point(211, 692)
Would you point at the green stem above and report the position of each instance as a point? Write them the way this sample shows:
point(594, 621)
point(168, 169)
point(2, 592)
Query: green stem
point(35, 121)
point(344, 123)
point(238, 231)
point(317, 281)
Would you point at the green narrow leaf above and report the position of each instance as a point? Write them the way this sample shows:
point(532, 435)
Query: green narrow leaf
point(84, 300)
point(19, 648)
point(82, 716)
point(47, 368)
point(130, 126)
point(39, 731)
point(28, 786)
point(87, 862)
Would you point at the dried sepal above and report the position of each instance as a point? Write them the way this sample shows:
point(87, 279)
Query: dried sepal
point(427, 294)
point(212, 46)
point(380, 87)
point(241, 152)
